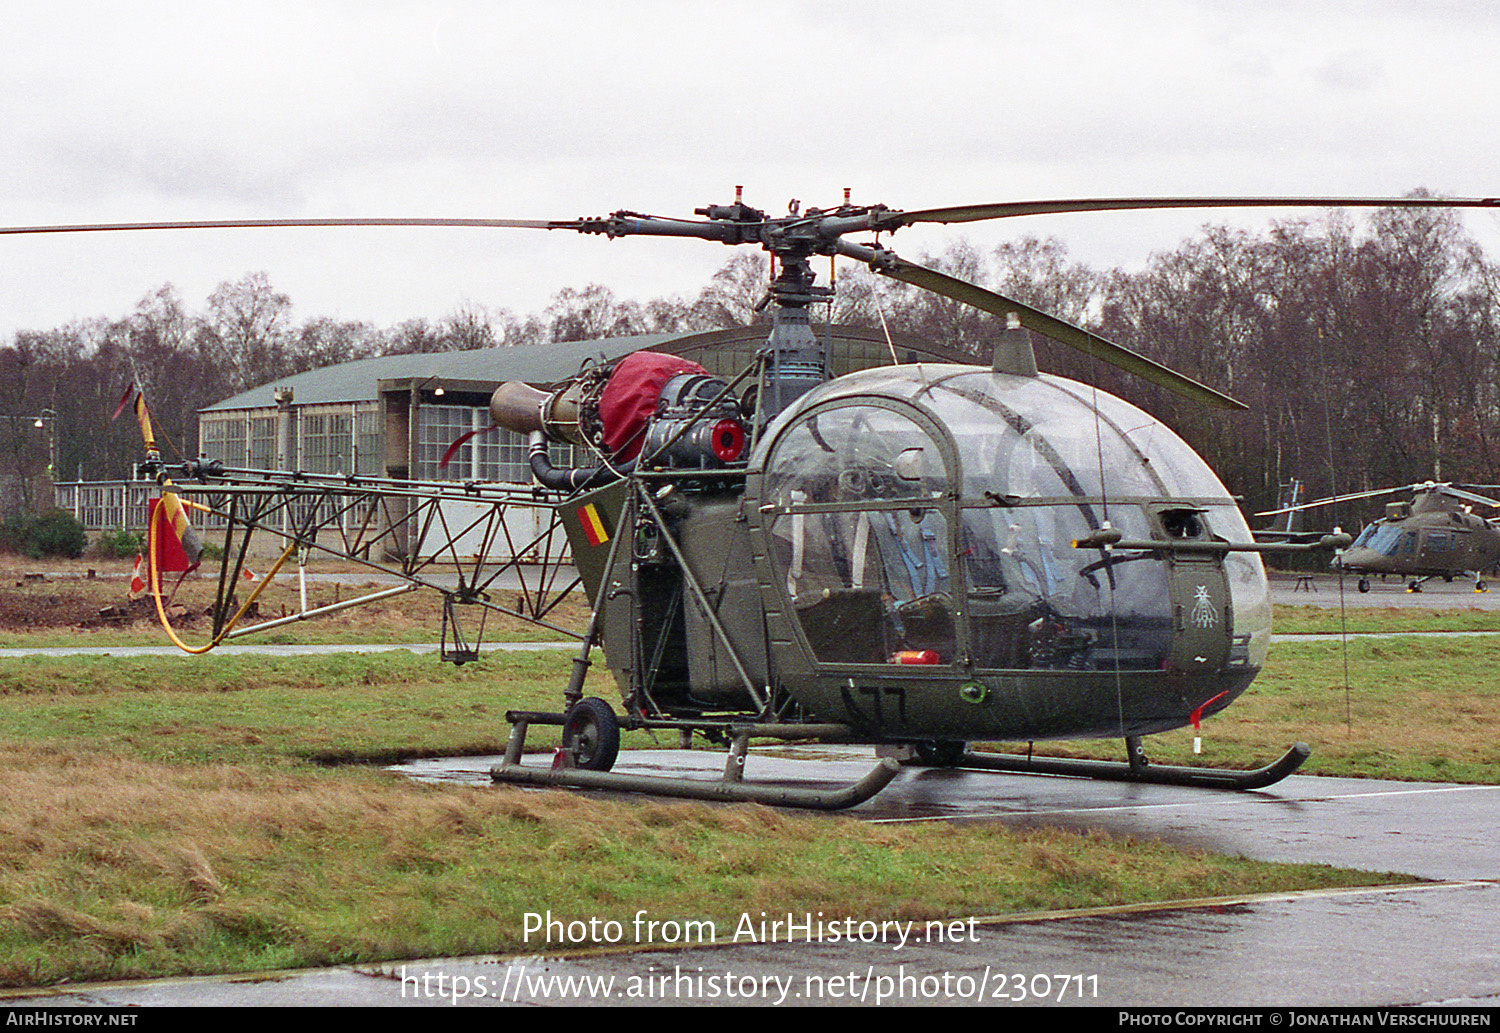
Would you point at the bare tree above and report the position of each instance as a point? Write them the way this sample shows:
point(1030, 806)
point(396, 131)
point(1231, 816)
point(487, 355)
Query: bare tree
point(412, 337)
point(734, 293)
point(590, 313)
point(246, 329)
point(951, 322)
point(322, 341)
point(468, 327)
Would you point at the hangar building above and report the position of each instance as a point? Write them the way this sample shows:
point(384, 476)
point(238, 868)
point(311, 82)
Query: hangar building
point(396, 415)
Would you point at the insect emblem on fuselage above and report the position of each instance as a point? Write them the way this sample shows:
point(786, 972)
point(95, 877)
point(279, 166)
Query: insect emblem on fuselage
point(1203, 610)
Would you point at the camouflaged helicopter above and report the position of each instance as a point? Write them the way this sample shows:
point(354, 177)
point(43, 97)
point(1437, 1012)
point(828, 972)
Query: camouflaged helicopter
point(1434, 534)
point(918, 556)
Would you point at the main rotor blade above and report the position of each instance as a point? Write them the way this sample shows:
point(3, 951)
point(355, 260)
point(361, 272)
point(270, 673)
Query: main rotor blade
point(1468, 496)
point(220, 224)
point(887, 263)
point(1418, 488)
point(1013, 209)
point(1331, 500)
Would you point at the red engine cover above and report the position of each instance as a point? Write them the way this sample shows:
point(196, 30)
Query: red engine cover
point(629, 398)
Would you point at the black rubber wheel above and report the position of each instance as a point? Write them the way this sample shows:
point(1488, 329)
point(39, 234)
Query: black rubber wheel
point(941, 753)
point(1364, 584)
point(591, 732)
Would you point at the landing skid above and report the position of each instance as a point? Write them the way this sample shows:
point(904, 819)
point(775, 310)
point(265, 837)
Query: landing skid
point(726, 790)
point(573, 768)
point(591, 739)
point(1137, 769)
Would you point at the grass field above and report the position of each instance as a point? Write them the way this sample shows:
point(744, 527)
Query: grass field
point(1379, 620)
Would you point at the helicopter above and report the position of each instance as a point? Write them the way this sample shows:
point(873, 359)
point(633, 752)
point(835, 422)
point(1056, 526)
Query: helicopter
point(1435, 534)
point(918, 556)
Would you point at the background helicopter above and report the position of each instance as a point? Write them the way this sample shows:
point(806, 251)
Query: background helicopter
point(1436, 534)
point(917, 556)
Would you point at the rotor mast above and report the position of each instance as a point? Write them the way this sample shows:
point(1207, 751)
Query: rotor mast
point(796, 360)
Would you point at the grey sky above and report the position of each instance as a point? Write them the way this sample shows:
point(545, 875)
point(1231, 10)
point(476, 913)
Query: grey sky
point(564, 108)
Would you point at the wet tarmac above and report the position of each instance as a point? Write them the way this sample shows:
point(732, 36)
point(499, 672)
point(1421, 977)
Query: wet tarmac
point(1430, 830)
point(1328, 590)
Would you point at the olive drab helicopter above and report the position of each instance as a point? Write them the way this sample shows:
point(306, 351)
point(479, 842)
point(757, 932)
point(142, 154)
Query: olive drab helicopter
point(1434, 534)
point(917, 556)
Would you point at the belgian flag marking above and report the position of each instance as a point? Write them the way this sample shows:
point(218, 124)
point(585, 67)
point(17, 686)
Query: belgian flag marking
point(593, 525)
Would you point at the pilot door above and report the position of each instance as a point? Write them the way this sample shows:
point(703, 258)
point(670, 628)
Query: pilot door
point(860, 537)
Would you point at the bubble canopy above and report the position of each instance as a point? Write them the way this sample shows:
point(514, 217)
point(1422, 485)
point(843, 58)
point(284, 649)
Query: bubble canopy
point(950, 496)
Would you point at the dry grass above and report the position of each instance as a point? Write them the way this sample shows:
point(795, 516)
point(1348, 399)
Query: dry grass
point(116, 867)
point(64, 607)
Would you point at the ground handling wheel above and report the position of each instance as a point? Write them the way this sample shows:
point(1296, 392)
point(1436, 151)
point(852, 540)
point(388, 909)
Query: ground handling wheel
point(591, 734)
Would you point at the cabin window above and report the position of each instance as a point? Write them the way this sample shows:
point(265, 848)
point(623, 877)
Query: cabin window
point(1034, 601)
point(1438, 541)
point(869, 584)
point(1185, 524)
point(857, 453)
point(1385, 539)
point(863, 540)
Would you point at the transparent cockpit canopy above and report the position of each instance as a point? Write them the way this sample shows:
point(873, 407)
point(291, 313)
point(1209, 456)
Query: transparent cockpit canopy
point(1385, 539)
point(1026, 436)
point(924, 492)
point(856, 453)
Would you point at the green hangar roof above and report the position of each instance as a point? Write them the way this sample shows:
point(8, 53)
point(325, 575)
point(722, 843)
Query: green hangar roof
point(722, 352)
point(357, 381)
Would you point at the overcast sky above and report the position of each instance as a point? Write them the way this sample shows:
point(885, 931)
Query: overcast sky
point(155, 111)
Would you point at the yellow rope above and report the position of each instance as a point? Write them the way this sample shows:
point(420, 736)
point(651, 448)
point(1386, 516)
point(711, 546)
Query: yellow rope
point(161, 612)
point(143, 415)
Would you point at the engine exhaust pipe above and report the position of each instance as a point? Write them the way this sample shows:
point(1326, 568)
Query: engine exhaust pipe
point(524, 409)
